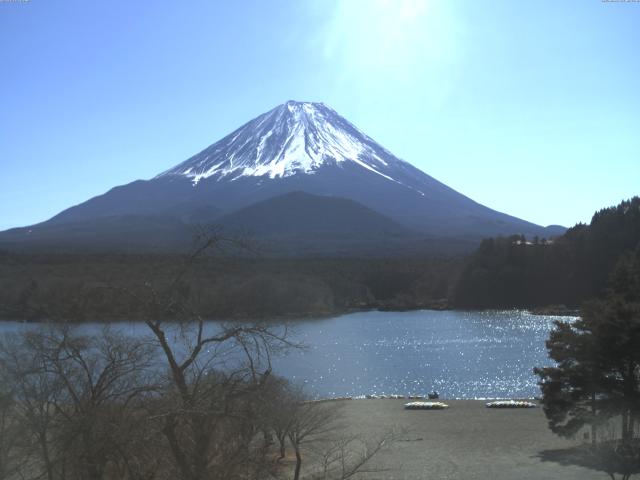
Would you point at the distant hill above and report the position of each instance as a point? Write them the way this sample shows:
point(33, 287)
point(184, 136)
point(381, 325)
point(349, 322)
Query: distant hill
point(301, 224)
point(508, 272)
point(303, 214)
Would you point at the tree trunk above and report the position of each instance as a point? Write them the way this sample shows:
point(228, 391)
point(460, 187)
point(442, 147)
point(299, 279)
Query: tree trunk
point(201, 434)
point(267, 437)
point(45, 456)
point(296, 475)
point(593, 425)
point(176, 450)
point(282, 443)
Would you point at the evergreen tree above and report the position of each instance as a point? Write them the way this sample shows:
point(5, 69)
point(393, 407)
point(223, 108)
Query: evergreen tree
point(597, 376)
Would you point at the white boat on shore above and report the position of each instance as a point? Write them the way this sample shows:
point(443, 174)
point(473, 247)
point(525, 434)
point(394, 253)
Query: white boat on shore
point(425, 406)
point(511, 404)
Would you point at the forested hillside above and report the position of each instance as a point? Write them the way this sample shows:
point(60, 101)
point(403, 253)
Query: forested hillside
point(103, 287)
point(514, 272)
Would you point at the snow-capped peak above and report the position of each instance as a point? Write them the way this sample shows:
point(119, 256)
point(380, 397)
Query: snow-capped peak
point(293, 138)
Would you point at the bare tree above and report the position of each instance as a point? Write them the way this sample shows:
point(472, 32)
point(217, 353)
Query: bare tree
point(35, 410)
point(348, 455)
point(278, 405)
point(211, 382)
point(213, 372)
point(76, 396)
point(9, 433)
point(310, 422)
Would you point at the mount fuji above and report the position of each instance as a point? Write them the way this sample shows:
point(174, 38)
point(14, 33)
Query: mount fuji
point(296, 173)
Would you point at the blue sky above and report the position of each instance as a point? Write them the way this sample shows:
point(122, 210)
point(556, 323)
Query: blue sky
point(529, 107)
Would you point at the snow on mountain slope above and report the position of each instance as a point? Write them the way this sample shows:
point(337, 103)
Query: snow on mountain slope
point(296, 137)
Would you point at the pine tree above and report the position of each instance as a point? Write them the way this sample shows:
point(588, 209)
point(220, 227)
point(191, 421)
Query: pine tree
point(597, 376)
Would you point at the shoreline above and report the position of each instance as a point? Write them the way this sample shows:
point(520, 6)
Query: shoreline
point(422, 397)
point(465, 441)
point(313, 316)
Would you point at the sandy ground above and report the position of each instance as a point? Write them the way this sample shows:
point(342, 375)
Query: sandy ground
point(466, 441)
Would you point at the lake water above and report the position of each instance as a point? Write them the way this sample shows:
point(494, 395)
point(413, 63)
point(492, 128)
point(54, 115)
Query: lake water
point(460, 354)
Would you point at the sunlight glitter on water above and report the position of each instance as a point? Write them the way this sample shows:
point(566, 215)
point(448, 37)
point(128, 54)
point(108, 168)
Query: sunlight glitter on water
point(459, 354)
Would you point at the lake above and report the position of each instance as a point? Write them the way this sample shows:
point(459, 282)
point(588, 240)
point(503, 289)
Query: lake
point(460, 354)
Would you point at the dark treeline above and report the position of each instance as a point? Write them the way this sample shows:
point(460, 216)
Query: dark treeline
point(514, 272)
point(98, 287)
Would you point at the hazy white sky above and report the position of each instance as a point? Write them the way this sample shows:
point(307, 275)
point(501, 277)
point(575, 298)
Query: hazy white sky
point(530, 107)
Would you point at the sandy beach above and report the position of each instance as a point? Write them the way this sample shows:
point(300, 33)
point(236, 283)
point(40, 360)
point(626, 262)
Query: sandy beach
point(466, 441)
